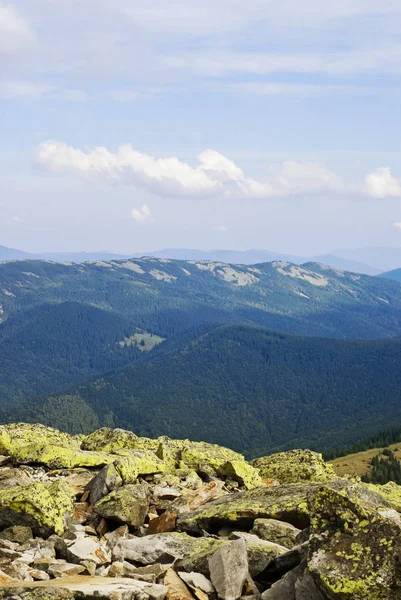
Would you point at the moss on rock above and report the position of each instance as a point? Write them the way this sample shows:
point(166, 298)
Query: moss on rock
point(239, 470)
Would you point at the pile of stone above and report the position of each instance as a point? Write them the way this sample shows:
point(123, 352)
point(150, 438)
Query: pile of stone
point(112, 515)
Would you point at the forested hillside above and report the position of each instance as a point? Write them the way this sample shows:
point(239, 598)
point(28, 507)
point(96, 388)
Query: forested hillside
point(167, 297)
point(252, 389)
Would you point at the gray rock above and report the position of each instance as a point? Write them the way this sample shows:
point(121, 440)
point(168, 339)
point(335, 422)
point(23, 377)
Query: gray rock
point(167, 548)
point(279, 532)
point(297, 584)
point(86, 548)
point(229, 570)
point(197, 581)
point(85, 588)
point(103, 483)
point(17, 533)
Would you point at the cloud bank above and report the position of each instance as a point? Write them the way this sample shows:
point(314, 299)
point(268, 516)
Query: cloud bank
point(213, 176)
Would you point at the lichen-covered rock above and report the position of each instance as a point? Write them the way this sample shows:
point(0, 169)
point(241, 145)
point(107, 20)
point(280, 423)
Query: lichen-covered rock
point(41, 506)
point(115, 440)
point(355, 545)
point(279, 532)
point(123, 471)
point(391, 492)
point(59, 457)
point(241, 471)
point(202, 456)
point(17, 435)
point(294, 466)
point(166, 548)
point(286, 503)
point(128, 504)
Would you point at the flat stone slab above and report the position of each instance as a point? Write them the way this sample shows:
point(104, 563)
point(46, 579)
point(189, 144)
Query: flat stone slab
point(95, 586)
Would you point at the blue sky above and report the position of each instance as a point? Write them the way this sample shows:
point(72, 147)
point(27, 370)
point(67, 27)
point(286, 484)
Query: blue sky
point(133, 126)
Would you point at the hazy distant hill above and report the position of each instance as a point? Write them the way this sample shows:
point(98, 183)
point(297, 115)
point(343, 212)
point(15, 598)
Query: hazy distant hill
point(381, 258)
point(250, 388)
point(394, 275)
point(244, 257)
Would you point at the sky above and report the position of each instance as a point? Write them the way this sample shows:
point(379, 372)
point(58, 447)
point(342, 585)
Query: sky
point(138, 125)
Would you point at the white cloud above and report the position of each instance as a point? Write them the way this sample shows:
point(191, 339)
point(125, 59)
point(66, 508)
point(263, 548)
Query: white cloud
point(381, 184)
point(222, 228)
point(397, 225)
point(142, 214)
point(214, 175)
point(16, 34)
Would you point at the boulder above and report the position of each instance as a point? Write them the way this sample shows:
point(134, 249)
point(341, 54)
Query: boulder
point(176, 588)
point(86, 548)
point(297, 584)
point(17, 435)
point(84, 588)
point(165, 548)
point(128, 504)
point(242, 472)
point(229, 571)
point(197, 581)
point(279, 532)
point(357, 556)
point(59, 457)
point(201, 456)
point(294, 466)
point(164, 523)
point(17, 533)
point(260, 552)
point(117, 441)
point(287, 503)
point(41, 506)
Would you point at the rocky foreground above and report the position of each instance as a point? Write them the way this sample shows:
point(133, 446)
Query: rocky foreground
point(112, 515)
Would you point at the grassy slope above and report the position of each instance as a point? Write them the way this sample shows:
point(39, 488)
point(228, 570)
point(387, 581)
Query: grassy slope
point(359, 463)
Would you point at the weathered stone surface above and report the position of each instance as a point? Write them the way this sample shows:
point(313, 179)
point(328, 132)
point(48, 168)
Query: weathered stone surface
point(294, 466)
point(287, 503)
point(241, 471)
point(10, 477)
point(17, 533)
point(229, 570)
point(18, 435)
point(200, 456)
point(260, 552)
point(86, 548)
point(356, 558)
point(64, 569)
point(279, 532)
point(58, 457)
point(85, 588)
point(166, 522)
point(297, 584)
point(128, 504)
point(197, 581)
point(164, 547)
point(176, 588)
point(110, 440)
point(40, 506)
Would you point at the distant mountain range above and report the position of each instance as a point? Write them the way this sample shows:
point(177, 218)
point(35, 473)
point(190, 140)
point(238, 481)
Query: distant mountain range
point(244, 257)
point(122, 337)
